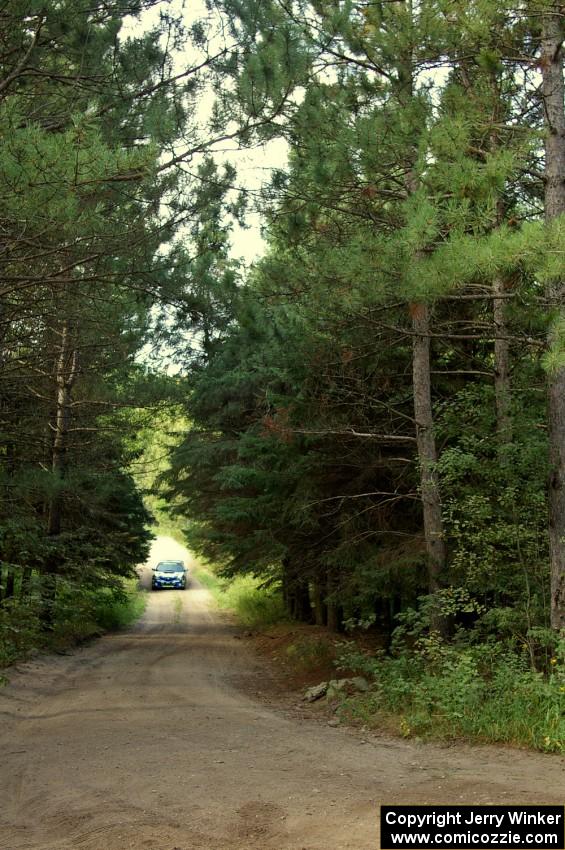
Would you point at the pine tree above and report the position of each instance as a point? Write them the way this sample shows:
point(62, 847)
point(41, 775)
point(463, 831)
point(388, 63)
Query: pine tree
point(90, 122)
point(551, 62)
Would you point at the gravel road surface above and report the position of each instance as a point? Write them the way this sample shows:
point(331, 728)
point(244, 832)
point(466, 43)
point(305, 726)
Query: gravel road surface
point(153, 739)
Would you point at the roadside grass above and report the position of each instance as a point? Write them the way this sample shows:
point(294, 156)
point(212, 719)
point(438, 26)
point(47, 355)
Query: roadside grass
point(480, 694)
point(85, 614)
point(460, 699)
point(254, 606)
point(310, 653)
point(19, 632)
point(80, 614)
point(113, 613)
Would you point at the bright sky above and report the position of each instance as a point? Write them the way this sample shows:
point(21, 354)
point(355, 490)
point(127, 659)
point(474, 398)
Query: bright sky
point(254, 166)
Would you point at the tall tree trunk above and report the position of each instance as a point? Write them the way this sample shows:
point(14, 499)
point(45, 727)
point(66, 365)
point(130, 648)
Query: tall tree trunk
point(502, 386)
point(8, 587)
point(66, 371)
point(421, 377)
point(333, 615)
point(436, 549)
point(553, 98)
point(501, 362)
point(334, 610)
point(25, 589)
point(65, 376)
point(9, 584)
point(427, 454)
point(303, 605)
point(285, 581)
point(320, 612)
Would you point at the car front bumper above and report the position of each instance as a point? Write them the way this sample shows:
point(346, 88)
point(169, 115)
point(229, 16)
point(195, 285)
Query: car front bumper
point(162, 583)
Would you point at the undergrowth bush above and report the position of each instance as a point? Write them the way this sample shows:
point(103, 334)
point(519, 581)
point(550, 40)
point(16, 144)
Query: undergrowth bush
point(254, 606)
point(456, 694)
point(80, 613)
point(311, 653)
point(113, 612)
point(19, 631)
point(85, 612)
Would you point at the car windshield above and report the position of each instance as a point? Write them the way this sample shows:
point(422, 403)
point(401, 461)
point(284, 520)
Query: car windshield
point(170, 567)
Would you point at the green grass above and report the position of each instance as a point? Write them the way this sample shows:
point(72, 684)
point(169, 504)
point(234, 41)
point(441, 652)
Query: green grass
point(253, 606)
point(113, 613)
point(80, 614)
point(19, 632)
point(462, 697)
point(209, 580)
point(311, 653)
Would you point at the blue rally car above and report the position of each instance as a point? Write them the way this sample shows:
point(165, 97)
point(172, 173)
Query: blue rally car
point(169, 574)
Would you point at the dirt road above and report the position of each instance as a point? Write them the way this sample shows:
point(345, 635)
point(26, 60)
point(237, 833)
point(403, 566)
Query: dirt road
point(148, 740)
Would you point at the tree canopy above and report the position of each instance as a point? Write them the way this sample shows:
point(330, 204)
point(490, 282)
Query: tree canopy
point(373, 411)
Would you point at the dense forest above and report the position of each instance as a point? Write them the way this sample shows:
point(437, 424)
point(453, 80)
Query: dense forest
point(95, 127)
point(375, 408)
